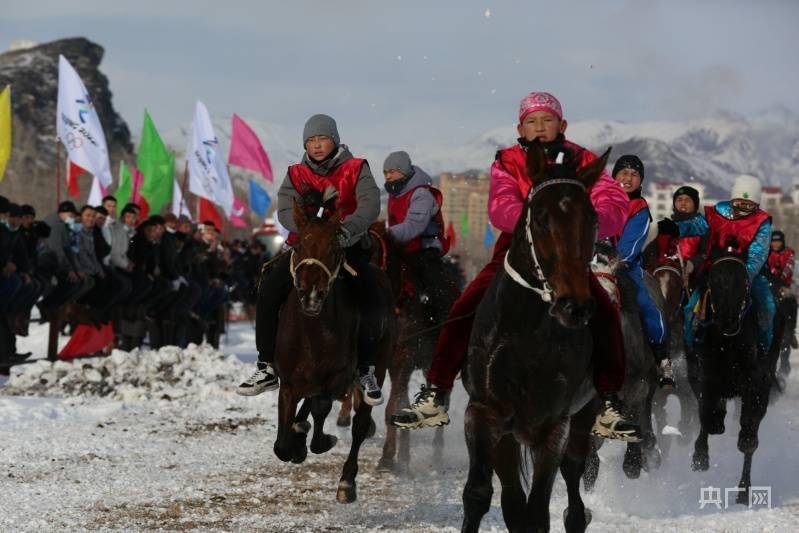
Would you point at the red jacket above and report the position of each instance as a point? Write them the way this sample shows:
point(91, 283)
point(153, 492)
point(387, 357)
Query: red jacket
point(780, 264)
point(398, 210)
point(723, 228)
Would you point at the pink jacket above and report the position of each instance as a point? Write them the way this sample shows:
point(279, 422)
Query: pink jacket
point(505, 200)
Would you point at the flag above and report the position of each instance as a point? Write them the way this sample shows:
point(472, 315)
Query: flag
point(125, 189)
point(179, 207)
point(129, 191)
point(5, 129)
point(157, 166)
point(87, 341)
point(97, 193)
point(78, 126)
point(450, 234)
point(246, 151)
point(73, 171)
point(464, 224)
point(488, 240)
point(239, 211)
point(208, 177)
point(259, 199)
point(207, 211)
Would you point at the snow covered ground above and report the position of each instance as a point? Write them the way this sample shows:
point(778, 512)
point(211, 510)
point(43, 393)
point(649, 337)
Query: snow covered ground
point(147, 441)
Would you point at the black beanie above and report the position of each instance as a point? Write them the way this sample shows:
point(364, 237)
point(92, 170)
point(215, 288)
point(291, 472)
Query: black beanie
point(778, 236)
point(687, 191)
point(629, 161)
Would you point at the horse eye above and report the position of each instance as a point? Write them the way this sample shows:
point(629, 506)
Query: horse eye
point(540, 217)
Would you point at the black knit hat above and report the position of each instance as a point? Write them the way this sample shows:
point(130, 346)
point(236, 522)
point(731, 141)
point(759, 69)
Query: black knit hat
point(67, 207)
point(778, 236)
point(629, 161)
point(689, 191)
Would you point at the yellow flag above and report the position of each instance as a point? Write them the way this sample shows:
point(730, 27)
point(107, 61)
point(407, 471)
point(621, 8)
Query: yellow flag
point(5, 129)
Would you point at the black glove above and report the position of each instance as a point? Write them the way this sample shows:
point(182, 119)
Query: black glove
point(343, 236)
point(668, 227)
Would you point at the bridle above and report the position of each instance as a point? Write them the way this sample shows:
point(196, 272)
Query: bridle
point(744, 305)
point(545, 292)
point(312, 261)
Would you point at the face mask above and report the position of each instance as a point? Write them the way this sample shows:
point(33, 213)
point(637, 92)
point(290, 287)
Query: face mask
point(77, 226)
point(6, 224)
point(395, 187)
point(70, 222)
point(170, 230)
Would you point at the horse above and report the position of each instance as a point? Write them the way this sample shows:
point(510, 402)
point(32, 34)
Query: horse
point(729, 363)
point(640, 379)
point(316, 351)
point(784, 327)
point(668, 272)
point(529, 370)
point(418, 332)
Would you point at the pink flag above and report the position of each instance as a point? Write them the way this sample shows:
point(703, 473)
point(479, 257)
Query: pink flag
point(239, 210)
point(246, 150)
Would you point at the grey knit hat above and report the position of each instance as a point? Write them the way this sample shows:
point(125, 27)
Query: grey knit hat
point(320, 125)
point(399, 161)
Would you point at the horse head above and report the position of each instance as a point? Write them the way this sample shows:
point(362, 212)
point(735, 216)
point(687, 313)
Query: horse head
point(554, 239)
point(316, 257)
point(728, 283)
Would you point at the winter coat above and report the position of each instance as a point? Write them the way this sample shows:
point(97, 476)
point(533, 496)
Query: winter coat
point(59, 242)
point(120, 243)
point(419, 219)
point(86, 256)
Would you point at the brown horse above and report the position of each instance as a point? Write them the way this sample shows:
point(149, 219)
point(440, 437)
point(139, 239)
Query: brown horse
point(529, 367)
point(316, 354)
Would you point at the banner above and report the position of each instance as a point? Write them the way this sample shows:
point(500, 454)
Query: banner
point(259, 199)
point(78, 125)
point(5, 129)
point(208, 177)
point(246, 150)
point(157, 167)
point(179, 206)
point(238, 214)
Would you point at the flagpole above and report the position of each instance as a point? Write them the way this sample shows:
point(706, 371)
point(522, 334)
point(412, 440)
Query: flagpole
point(183, 188)
point(58, 171)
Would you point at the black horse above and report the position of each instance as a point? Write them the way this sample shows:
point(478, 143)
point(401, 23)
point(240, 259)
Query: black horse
point(529, 371)
point(729, 364)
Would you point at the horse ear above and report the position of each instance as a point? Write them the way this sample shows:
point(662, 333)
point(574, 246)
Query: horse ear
point(536, 160)
point(300, 218)
point(590, 173)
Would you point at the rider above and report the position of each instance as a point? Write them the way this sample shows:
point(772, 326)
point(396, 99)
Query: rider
point(629, 173)
point(415, 220)
point(692, 249)
point(540, 118)
point(327, 167)
point(741, 218)
point(780, 273)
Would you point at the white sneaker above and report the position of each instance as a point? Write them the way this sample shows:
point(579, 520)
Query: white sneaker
point(372, 394)
point(262, 380)
point(429, 409)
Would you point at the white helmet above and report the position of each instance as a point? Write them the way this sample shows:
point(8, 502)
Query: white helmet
point(747, 188)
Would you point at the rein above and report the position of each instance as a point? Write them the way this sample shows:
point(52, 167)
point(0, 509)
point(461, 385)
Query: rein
point(545, 292)
point(383, 249)
point(747, 303)
point(311, 261)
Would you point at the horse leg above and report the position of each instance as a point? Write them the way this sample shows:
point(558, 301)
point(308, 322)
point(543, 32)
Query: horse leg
point(753, 409)
point(347, 492)
point(344, 417)
point(632, 460)
point(301, 418)
point(649, 445)
point(591, 471)
point(659, 411)
point(438, 447)
point(546, 460)
point(321, 442)
point(397, 398)
point(286, 440)
point(478, 490)
point(507, 459)
point(701, 459)
point(576, 516)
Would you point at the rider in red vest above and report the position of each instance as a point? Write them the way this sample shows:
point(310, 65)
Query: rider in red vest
point(415, 220)
point(328, 170)
point(540, 118)
point(780, 273)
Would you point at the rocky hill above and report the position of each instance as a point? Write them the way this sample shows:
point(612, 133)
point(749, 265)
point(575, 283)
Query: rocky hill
point(33, 75)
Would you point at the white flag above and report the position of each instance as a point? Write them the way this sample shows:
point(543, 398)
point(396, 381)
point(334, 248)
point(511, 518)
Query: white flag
point(179, 207)
point(97, 193)
point(78, 125)
point(208, 175)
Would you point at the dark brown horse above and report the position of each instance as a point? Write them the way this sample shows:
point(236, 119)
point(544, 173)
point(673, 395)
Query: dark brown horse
point(316, 354)
point(529, 370)
point(418, 333)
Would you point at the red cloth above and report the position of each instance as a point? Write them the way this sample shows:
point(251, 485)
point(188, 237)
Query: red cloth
point(451, 234)
point(209, 212)
point(780, 264)
point(398, 210)
point(73, 172)
point(87, 341)
point(453, 342)
point(743, 230)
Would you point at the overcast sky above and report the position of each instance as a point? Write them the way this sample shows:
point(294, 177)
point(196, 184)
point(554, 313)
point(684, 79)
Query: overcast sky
point(428, 71)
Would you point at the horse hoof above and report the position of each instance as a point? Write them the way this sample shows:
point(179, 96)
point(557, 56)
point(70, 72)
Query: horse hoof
point(370, 432)
point(299, 456)
point(700, 463)
point(346, 492)
point(323, 444)
point(343, 421)
point(386, 465)
point(571, 527)
point(282, 454)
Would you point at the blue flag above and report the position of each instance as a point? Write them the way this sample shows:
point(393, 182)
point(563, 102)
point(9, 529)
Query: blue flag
point(259, 199)
point(488, 241)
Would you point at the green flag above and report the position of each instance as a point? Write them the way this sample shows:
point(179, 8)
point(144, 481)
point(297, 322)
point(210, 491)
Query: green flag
point(464, 223)
point(157, 166)
point(125, 189)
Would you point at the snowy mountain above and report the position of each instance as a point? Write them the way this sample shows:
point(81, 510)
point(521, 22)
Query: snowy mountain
point(711, 150)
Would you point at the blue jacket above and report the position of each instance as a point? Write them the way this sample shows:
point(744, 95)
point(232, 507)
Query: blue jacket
point(633, 237)
point(758, 250)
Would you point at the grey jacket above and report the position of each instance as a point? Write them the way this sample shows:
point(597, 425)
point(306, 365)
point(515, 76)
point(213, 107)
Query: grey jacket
point(59, 243)
point(120, 242)
point(86, 257)
point(420, 219)
point(366, 192)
